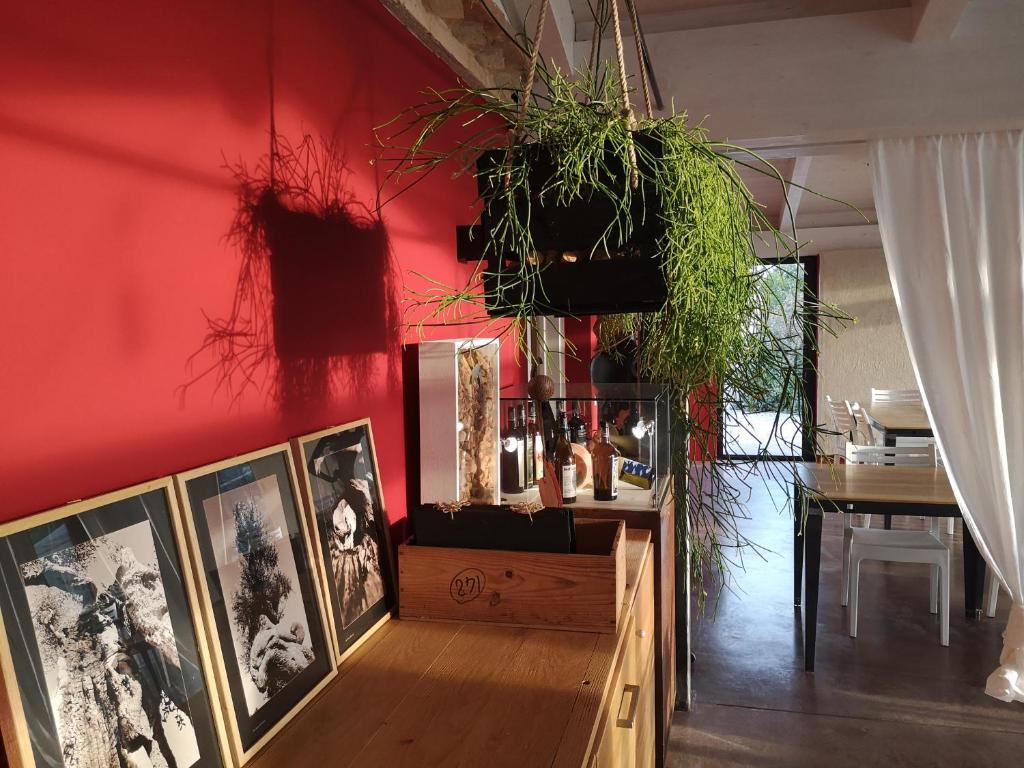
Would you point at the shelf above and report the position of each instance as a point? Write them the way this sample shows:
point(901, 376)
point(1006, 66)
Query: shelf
point(630, 499)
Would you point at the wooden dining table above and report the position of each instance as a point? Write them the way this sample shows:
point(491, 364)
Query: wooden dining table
point(821, 489)
point(899, 420)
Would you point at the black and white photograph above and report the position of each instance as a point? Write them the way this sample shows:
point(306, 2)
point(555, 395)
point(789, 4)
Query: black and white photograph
point(343, 490)
point(114, 686)
point(260, 590)
point(257, 571)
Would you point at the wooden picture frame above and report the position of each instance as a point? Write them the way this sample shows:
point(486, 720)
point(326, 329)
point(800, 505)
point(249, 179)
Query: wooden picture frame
point(108, 580)
point(352, 621)
point(259, 694)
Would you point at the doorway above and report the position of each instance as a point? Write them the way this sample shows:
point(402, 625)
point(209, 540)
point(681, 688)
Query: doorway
point(763, 426)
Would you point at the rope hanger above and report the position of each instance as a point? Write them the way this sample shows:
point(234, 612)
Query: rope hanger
point(627, 107)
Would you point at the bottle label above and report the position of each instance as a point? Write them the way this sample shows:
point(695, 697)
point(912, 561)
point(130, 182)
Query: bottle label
point(569, 480)
point(538, 455)
point(614, 479)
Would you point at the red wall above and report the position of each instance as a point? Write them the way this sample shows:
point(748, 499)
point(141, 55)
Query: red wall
point(115, 119)
point(579, 332)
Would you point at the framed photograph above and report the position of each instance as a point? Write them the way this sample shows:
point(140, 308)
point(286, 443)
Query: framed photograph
point(341, 486)
point(103, 655)
point(259, 588)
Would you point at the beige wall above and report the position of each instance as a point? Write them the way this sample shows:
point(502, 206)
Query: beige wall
point(871, 352)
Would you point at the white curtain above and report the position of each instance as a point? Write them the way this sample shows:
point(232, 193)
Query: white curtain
point(951, 213)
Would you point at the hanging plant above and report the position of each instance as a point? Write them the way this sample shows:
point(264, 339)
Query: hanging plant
point(656, 213)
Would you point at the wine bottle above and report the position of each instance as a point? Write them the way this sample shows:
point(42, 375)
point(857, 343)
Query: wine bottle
point(560, 424)
point(523, 433)
point(565, 463)
point(577, 426)
point(606, 467)
point(513, 456)
point(535, 446)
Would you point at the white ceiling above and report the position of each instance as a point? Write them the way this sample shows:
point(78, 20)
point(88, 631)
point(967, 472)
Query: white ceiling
point(845, 177)
point(675, 15)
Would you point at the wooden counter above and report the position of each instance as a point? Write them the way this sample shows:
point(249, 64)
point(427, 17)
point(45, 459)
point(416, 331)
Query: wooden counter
point(640, 510)
point(637, 508)
point(421, 693)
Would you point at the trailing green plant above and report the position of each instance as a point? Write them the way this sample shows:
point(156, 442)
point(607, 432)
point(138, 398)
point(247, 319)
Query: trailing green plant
point(726, 336)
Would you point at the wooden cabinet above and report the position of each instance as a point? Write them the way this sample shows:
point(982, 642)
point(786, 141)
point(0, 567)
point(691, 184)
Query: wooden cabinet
point(421, 693)
point(661, 524)
point(627, 736)
point(646, 736)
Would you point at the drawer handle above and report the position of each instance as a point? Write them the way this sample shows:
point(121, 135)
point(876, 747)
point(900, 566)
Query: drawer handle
point(642, 634)
point(634, 702)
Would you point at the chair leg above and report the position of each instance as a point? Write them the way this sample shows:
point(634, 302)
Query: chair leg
point(944, 603)
point(950, 526)
point(933, 589)
point(847, 533)
point(992, 603)
point(866, 521)
point(854, 589)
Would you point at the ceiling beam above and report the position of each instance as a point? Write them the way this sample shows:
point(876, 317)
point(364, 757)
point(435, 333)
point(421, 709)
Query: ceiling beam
point(434, 32)
point(823, 239)
point(936, 19)
point(749, 12)
point(794, 193)
point(557, 46)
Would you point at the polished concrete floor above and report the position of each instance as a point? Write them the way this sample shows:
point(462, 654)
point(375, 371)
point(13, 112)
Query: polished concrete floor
point(891, 697)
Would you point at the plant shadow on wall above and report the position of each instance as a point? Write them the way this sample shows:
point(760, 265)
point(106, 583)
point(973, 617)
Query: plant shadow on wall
point(571, 180)
point(314, 304)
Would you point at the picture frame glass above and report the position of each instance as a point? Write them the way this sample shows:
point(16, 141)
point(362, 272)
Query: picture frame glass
point(262, 588)
point(343, 485)
point(102, 641)
point(477, 409)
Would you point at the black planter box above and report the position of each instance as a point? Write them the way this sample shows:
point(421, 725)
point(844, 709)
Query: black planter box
point(631, 281)
point(483, 526)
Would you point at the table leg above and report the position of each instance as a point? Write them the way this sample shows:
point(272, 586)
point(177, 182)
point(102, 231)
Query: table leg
point(812, 556)
point(798, 545)
point(974, 577)
point(890, 441)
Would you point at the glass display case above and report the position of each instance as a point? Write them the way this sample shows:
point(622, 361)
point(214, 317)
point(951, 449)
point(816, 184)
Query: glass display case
point(640, 427)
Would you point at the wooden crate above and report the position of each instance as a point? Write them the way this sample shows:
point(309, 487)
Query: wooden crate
point(581, 591)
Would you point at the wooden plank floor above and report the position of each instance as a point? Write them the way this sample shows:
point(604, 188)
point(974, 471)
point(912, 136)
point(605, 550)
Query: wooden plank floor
point(892, 696)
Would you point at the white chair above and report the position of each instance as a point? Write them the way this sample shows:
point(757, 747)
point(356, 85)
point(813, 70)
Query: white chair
point(878, 455)
point(895, 395)
point(878, 438)
point(924, 547)
point(992, 585)
point(865, 432)
point(843, 422)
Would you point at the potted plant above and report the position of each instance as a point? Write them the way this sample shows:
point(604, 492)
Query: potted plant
point(594, 249)
point(647, 221)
